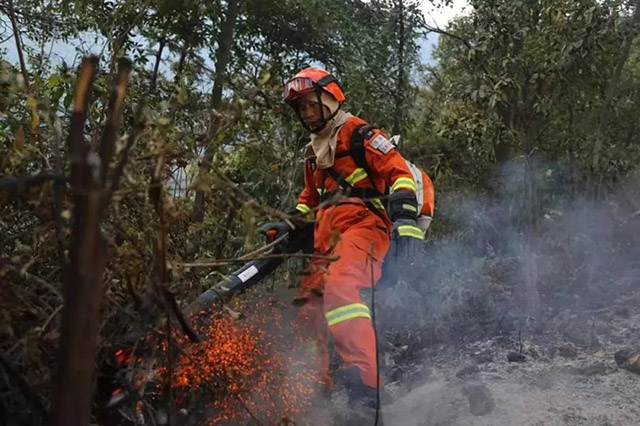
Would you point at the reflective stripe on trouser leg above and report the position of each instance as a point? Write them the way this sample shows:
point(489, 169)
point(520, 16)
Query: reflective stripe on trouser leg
point(345, 313)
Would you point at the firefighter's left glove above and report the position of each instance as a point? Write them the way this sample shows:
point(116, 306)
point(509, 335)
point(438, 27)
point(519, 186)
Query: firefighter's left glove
point(274, 230)
point(408, 238)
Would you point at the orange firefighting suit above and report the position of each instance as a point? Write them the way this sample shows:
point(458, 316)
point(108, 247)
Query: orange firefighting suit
point(330, 292)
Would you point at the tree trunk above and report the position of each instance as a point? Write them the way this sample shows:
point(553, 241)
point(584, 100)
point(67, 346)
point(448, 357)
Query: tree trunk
point(400, 87)
point(154, 78)
point(116, 46)
point(183, 57)
point(225, 42)
point(502, 152)
point(83, 289)
point(530, 253)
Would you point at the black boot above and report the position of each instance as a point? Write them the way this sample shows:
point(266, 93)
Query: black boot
point(363, 400)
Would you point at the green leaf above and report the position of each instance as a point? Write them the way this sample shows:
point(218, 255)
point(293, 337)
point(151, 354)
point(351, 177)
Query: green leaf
point(67, 100)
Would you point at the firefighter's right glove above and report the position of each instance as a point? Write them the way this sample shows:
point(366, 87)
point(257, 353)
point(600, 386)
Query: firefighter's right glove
point(408, 238)
point(274, 230)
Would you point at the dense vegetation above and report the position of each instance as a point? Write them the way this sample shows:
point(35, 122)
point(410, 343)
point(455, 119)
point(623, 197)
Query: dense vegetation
point(527, 122)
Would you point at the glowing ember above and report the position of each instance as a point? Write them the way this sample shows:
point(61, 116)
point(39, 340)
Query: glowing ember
point(123, 356)
point(240, 370)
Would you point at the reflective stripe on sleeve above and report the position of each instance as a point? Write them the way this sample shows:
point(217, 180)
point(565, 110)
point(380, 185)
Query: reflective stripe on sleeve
point(403, 183)
point(347, 312)
point(410, 231)
point(305, 210)
point(357, 175)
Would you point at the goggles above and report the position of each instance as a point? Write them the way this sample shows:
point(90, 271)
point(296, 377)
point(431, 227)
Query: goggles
point(297, 86)
point(300, 85)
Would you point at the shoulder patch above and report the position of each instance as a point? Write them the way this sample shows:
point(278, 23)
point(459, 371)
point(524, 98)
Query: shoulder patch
point(382, 144)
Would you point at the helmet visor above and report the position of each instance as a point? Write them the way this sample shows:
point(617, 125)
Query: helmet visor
point(297, 86)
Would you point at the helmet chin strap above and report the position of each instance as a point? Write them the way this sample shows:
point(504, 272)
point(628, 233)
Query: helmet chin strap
point(323, 120)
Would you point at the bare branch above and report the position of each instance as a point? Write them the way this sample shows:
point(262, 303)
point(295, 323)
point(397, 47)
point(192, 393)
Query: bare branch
point(24, 181)
point(16, 34)
point(439, 30)
point(225, 262)
point(138, 126)
point(32, 398)
point(114, 112)
point(29, 276)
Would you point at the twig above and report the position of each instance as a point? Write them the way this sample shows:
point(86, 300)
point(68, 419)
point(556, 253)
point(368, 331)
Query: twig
point(57, 218)
point(51, 317)
point(464, 41)
point(79, 168)
point(35, 279)
point(16, 34)
point(175, 310)
point(57, 195)
point(264, 248)
point(249, 200)
point(224, 262)
point(57, 154)
point(242, 194)
point(25, 181)
point(114, 113)
point(132, 239)
point(439, 30)
point(138, 126)
point(154, 76)
point(33, 399)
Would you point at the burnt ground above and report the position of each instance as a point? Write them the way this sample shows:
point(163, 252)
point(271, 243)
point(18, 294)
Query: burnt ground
point(444, 375)
point(568, 377)
point(457, 372)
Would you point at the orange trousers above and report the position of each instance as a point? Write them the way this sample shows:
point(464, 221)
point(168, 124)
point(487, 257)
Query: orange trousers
point(330, 294)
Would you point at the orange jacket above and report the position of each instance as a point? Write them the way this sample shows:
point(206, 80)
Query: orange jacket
point(388, 166)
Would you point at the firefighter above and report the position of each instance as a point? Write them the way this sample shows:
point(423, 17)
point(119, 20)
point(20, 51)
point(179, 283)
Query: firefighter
point(351, 222)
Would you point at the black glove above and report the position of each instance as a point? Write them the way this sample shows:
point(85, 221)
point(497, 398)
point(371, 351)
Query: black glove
point(299, 238)
point(408, 241)
point(403, 205)
point(274, 230)
point(403, 211)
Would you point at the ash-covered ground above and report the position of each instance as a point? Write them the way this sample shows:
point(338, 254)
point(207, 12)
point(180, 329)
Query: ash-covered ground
point(560, 382)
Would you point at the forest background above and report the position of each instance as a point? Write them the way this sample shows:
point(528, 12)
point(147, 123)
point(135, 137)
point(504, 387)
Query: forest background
point(526, 120)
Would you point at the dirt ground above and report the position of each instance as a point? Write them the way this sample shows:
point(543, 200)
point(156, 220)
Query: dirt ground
point(534, 394)
point(559, 384)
